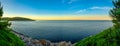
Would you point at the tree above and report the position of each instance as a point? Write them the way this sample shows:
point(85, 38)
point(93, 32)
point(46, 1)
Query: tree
point(1, 10)
point(3, 24)
point(115, 13)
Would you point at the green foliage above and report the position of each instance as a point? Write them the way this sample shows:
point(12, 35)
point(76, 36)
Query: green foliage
point(115, 13)
point(109, 37)
point(7, 38)
point(1, 11)
point(4, 24)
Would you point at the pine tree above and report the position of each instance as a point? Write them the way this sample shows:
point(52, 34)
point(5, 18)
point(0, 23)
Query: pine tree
point(1, 10)
point(3, 24)
point(115, 13)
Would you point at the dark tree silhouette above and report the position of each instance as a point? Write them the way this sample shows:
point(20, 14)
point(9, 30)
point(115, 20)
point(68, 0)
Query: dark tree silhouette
point(115, 13)
point(1, 10)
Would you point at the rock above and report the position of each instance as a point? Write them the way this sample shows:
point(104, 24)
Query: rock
point(34, 42)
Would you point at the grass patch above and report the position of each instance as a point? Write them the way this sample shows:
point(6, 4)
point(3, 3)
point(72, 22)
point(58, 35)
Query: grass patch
point(7, 38)
point(109, 37)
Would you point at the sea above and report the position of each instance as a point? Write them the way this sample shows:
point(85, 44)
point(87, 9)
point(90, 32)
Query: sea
point(61, 30)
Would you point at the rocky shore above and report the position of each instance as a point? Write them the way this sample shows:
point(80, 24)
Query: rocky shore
point(34, 42)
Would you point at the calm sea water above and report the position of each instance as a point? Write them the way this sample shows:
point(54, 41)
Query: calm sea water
point(57, 31)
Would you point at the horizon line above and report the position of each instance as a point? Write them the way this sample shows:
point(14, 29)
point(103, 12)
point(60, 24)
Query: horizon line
point(65, 17)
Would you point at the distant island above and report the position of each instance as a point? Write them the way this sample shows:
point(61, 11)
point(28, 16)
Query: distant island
point(17, 19)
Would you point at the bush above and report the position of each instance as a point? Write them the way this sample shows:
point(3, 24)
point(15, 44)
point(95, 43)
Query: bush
point(4, 24)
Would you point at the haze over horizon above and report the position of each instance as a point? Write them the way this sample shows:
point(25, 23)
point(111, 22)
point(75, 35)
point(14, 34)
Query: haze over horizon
point(58, 9)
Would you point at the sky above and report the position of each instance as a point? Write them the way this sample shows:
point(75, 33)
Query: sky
point(58, 9)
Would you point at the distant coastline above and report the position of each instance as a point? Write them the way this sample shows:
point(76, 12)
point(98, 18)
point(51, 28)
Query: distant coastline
point(17, 19)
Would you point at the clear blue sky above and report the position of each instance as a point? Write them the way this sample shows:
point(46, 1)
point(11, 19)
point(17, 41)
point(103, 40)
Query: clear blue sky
point(56, 7)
